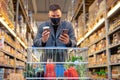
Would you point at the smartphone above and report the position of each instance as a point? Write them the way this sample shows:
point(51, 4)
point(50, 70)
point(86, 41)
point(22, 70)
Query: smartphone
point(65, 31)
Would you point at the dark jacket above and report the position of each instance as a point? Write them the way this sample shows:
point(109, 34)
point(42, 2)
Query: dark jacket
point(56, 55)
point(55, 39)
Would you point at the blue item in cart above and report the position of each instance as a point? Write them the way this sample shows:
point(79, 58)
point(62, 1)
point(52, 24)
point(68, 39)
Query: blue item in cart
point(59, 70)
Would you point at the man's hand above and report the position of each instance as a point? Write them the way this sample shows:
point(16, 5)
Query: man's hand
point(64, 38)
point(45, 36)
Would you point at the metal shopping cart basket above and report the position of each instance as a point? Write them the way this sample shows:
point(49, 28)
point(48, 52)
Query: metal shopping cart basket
point(57, 63)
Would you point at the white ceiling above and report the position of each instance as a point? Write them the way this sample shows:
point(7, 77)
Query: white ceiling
point(40, 8)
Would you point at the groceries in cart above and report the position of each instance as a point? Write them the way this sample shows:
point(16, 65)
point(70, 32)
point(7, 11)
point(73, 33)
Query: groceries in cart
point(52, 64)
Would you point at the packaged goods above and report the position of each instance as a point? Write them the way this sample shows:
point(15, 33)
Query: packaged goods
point(50, 70)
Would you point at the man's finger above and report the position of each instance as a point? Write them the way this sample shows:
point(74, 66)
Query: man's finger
point(65, 35)
point(45, 33)
point(62, 39)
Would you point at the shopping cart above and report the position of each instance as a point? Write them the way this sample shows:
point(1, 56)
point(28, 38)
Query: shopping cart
point(56, 63)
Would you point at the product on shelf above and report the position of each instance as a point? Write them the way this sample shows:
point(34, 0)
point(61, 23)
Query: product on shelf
point(115, 57)
point(100, 73)
point(114, 22)
point(101, 58)
point(80, 28)
point(116, 37)
point(20, 64)
point(115, 72)
point(2, 58)
point(16, 76)
point(92, 61)
point(6, 12)
point(102, 8)
point(111, 3)
point(93, 11)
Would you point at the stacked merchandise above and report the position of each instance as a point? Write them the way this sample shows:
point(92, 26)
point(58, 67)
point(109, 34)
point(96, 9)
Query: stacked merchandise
point(99, 74)
point(115, 56)
point(93, 9)
point(96, 12)
point(116, 72)
point(99, 59)
point(6, 60)
point(116, 38)
point(96, 42)
point(7, 12)
point(111, 3)
point(16, 76)
point(80, 28)
point(114, 22)
point(21, 28)
point(101, 9)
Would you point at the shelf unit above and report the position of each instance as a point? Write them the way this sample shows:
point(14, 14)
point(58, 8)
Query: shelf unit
point(14, 51)
point(99, 21)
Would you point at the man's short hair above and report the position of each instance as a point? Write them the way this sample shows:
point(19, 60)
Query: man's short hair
point(54, 7)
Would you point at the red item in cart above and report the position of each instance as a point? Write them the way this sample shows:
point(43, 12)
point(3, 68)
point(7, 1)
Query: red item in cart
point(50, 70)
point(71, 72)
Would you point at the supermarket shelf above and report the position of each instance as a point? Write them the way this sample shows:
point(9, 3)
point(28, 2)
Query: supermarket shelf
point(8, 28)
point(9, 44)
point(6, 66)
point(20, 67)
point(20, 51)
point(77, 11)
point(7, 53)
point(111, 32)
point(90, 54)
point(14, 47)
point(114, 45)
point(98, 66)
point(23, 9)
point(22, 42)
point(113, 10)
point(99, 51)
point(25, 14)
point(96, 52)
point(113, 64)
point(97, 40)
point(12, 32)
point(101, 21)
point(20, 59)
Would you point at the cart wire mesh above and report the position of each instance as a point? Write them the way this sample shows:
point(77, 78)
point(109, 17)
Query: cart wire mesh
point(56, 63)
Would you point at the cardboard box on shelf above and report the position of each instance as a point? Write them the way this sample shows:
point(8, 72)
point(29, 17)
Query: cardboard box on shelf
point(116, 37)
point(16, 76)
point(12, 63)
point(93, 11)
point(115, 72)
point(80, 25)
point(2, 60)
point(111, 4)
point(101, 10)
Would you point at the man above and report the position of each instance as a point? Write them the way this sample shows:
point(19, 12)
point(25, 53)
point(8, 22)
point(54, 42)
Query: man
point(54, 36)
point(60, 34)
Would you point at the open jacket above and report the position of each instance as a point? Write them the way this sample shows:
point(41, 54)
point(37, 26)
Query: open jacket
point(55, 39)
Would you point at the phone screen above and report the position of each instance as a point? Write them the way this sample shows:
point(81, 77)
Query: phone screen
point(65, 31)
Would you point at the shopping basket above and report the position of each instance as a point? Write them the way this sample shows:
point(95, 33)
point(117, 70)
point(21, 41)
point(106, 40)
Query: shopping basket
point(45, 63)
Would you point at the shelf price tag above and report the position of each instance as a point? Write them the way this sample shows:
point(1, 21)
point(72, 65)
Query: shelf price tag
point(1, 42)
